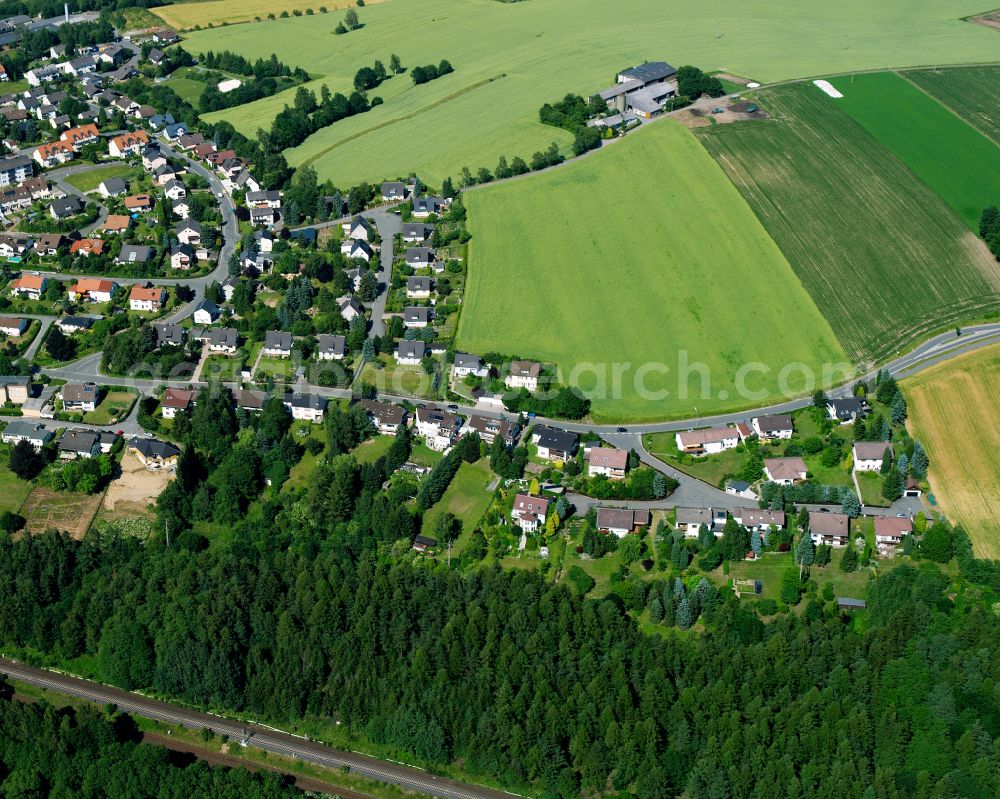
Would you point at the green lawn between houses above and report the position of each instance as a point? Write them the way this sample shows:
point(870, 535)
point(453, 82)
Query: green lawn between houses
point(957, 161)
point(91, 180)
point(538, 51)
point(640, 258)
point(884, 258)
point(466, 497)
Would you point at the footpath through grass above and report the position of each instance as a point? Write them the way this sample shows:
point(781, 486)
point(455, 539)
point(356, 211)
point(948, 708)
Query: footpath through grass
point(954, 409)
point(886, 261)
point(957, 161)
point(644, 260)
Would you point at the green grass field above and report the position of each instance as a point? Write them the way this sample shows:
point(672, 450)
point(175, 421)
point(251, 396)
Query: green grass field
point(883, 257)
point(89, 181)
point(538, 51)
point(958, 162)
point(466, 497)
point(186, 87)
point(183, 16)
point(971, 92)
point(640, 257)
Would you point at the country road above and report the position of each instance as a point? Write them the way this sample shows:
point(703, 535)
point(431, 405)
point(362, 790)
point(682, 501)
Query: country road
point(260, 737)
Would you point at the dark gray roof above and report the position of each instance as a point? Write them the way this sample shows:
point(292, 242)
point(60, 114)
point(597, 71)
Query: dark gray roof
point(464, 360)
point(550, 438)
point(420, 255)
point(334, 344)
point(154, 448)
point(115, 186)
point(224, 336)
point(415, 314)
point(134, 254)
point(30, 430)
point(312, 401)
point(67, 206)
point(411, 349)
point(650, 71)
point(418, 284)
point(277, 340)
point(167, 333)
point(78, 441)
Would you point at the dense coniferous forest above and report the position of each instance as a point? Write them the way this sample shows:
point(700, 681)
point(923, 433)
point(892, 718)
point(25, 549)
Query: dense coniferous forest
point(519, 679)
point(83, 754)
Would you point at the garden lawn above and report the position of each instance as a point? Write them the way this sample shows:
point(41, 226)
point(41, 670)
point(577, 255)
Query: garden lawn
point(971, 92)
point(870, 484)
point(953, 411)
point(640, 258)
point(466, 497)
point(957, 161)
point(13, 490)
point(886, 261)
point(536, 52)
point(713, 469)
point(114, 405)
point(770, 567)
point(397, 379)
point(89, 181)
point(371, 450)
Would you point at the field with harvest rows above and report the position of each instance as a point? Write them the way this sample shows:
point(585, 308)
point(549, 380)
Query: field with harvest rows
point(971, 92)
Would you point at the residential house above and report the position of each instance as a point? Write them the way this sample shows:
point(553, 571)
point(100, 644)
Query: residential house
point(74, 324)
point(246, 182)
point(229, 287)
point(86, 248)
point(352, 308)
point(523, 374)
point(847, 410)
point(772, 427)
point(357, 227)
point(278, 344)
point(424, 207)
point(189, 231)
point(418, 288)
point(175, 131)
point(466, 364)
point(529, 513)
point(740, 488)
point(489, 429)
point(393, 191)
point(707, 442)
point(419, 257)
point(117, 224)
point(357, 248)
point(416, 232)
point(330, 348)
point(264, 199)
point(65, 207)
point(169, 335)
point(553, 444)
point(134, 254)
point(32, 432)
point(190, 140)
point(79, 444)
point(15, 170)
point(115, 55)
point(385, 416)
point(54, 153)
point(112, 187)
point(14, 388)
point(142, 298)
point(607, 462)
point(154, 454)
point(180, 209)
point(128, 144)
point(263, 216)
point(410, 353)
point(176, 399)
point(173, 189)
point(139, 203)
point(181, 256)
point(156, 56)
point(889, 530)
point(307, 407)
point(92, 289)
point(621, 521)
point(153, 158)
point(223, 340)
point(30, 286)
point(416, 318)
point(79, 397)
point(13, 325)
point(206, 313)
point(690, 520)
point(439, 428)
point(78, 137)
point(13, 244)
point(830, 528)
point(758, 519)
point(421, 543)
point(785, 471)
point(868, 455)
point(252, 401)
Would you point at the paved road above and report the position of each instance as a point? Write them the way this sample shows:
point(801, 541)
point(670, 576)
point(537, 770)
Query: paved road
point(37, 341)
point(263, 738)
point(388, 224)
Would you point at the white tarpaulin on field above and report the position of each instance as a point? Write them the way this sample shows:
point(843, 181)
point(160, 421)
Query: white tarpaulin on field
point(827, 87)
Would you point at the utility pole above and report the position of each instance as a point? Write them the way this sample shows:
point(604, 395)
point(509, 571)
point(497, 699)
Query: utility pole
point(449, 553)
point(166, 530)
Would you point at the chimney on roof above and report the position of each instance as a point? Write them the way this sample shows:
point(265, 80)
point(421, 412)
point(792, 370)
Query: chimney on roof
point(66, 9)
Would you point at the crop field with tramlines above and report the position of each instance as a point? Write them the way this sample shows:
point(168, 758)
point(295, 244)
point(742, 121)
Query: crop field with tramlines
point(881, 254)
point(971, 92)
point(953, 411)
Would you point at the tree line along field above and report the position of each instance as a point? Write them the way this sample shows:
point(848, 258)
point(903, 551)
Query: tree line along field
point(971, 92)
point(185, 16)
point(953, 410)
point(538, 51)
point(954, 159)
point(643, 253)
point(883, 257)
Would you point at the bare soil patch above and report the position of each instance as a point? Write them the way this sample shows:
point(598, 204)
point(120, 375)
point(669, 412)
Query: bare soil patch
point(991, 19)
point(72, 513)
point(131, 493)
